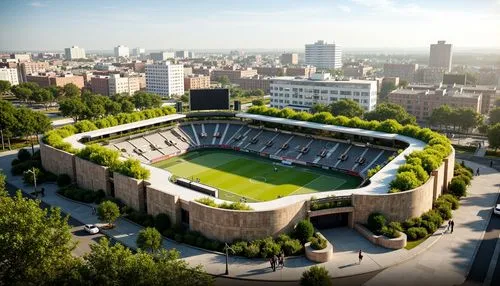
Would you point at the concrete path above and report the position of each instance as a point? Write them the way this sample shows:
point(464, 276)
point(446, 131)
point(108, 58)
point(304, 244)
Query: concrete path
point(449, 254)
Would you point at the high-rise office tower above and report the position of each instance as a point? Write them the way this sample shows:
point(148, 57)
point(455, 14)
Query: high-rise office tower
point(323, 55)
point(440, 55)
point(165, 79)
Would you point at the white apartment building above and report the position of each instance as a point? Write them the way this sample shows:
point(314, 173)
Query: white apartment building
point(323, 55)
point(182, 54)
point(10, 75)
point(119, 85)
point(162, 56)
point(138, 51)
point(302, 93)
point(122, 51)
point(165, 79)
point(74, 53)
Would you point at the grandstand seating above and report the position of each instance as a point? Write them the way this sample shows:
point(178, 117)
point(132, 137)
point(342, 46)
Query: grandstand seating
point(342, 155)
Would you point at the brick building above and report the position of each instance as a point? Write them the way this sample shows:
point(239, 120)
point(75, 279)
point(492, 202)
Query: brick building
point(196, 82)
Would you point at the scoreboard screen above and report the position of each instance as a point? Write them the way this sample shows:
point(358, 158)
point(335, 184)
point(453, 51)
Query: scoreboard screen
point(209, 99)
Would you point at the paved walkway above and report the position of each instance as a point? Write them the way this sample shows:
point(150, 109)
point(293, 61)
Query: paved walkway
point(449, 253)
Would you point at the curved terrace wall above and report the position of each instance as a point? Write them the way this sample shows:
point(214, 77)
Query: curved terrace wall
point(403, 205)
point(57, 161)
point(228, 225)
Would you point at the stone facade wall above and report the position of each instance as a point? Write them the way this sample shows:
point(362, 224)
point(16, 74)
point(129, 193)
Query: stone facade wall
point(438, 181)
point(449, 168)
point(91, 176)
point(162, 202)
point(57, 161)
point(228, 225)
point(396, 206)
point(130, 191)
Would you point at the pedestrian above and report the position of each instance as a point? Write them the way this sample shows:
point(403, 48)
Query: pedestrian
point(491, 163)
point(449, 225)
point(360, 256)
point(452, 225)
point(94, 211)
point(282, 259)
point(271, 262)
point(275, 262)
point(477, 172)
point(43, 192)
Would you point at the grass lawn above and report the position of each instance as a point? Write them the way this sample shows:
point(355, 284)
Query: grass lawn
point(238, 175)
point(415, 243)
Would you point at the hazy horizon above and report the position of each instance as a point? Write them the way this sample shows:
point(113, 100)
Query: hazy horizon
point(356, 25)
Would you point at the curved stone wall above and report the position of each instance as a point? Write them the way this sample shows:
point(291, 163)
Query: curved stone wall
point(404, 205)
point(228, 225)
point(57, 161)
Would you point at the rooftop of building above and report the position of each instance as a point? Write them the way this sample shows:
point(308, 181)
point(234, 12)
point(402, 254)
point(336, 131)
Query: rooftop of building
point(321, 78)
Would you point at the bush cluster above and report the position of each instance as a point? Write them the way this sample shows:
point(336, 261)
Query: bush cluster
point(377, 223)
point(373, 171)
point(225, 205)
point(462, 177)
point(315, 206)
point(109, 158)
point(82, 195)
point(438, 146)
point(194, 238)
point(25, 162)
point(318, 242)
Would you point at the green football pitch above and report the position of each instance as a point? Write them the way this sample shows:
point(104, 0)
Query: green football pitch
point(239, 175)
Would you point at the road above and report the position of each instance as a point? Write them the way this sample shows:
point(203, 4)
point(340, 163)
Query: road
point(480, 271)
point(82, 238)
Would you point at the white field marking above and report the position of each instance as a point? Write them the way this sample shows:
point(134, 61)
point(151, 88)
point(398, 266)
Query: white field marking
point(305, 186)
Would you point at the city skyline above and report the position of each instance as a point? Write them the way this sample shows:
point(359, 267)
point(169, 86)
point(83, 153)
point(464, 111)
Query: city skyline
point(55, 25)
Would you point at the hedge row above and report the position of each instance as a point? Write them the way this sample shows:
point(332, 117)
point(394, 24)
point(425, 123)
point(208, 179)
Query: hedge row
point(130, 168)
point(225, 205)
point(462, 177)
point(82, 195)
point(438, 146)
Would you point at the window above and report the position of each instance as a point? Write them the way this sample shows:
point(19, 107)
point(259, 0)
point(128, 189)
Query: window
point(334, 92)
point(345, 92)
point(364, 94)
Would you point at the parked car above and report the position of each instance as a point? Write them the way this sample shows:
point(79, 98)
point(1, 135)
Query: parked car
point(496, 210)
point(90, 228)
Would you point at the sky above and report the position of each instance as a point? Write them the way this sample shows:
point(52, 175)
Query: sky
point(256, 24)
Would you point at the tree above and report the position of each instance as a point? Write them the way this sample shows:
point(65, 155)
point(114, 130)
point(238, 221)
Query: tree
point(403, 83)
point(494, 136)
point(22, 93)
point(495, 116)
point(31, 123)
point(441, 116)
point(386, 111)
point(144, 100)
point(315, 276)
point(72, 107)
point(4, 86)
point(346, 107)
point(43, 96)
point(149, 239)
point(71, 90)
point(319, 107)
point(385, 89)
point(8, 121)
point(224, 80)
point(468, 118)
point(108, 212)
point(35, 244)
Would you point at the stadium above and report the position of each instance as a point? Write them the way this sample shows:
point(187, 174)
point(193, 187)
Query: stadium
point(278, 167)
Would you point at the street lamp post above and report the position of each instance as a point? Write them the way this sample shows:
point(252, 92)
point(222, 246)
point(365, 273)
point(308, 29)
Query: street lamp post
point(34, 178)
point(227, 248)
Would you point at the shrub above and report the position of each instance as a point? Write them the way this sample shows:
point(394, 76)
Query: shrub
point(252, 250)
point(282, 238)
point(235, 206)
point(108, 211)
point(29, 178)
point(432, 216)
point(445, 211)
point(318, 243)
point(63, 180)
point(415, 233)
point(133, 168)
point(207, 201)
point(239, 247)
point(292, 247)
point(162, 222)
point(21, 167)
point(178, 237)
point(464, 178)
point(405, 181)
point(23, 155)
point(269, 248)
point(373, 171)
point(376, 221)
point(457, 187)
point(389, 232)
point(412, 222)
point(429, 226)
point(455, 203)
point(315, 276)
point(190, 237)
point(304, 230)
point(416, 169)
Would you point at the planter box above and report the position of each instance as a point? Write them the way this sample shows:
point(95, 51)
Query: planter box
point(322, 255)
point(391, 243)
